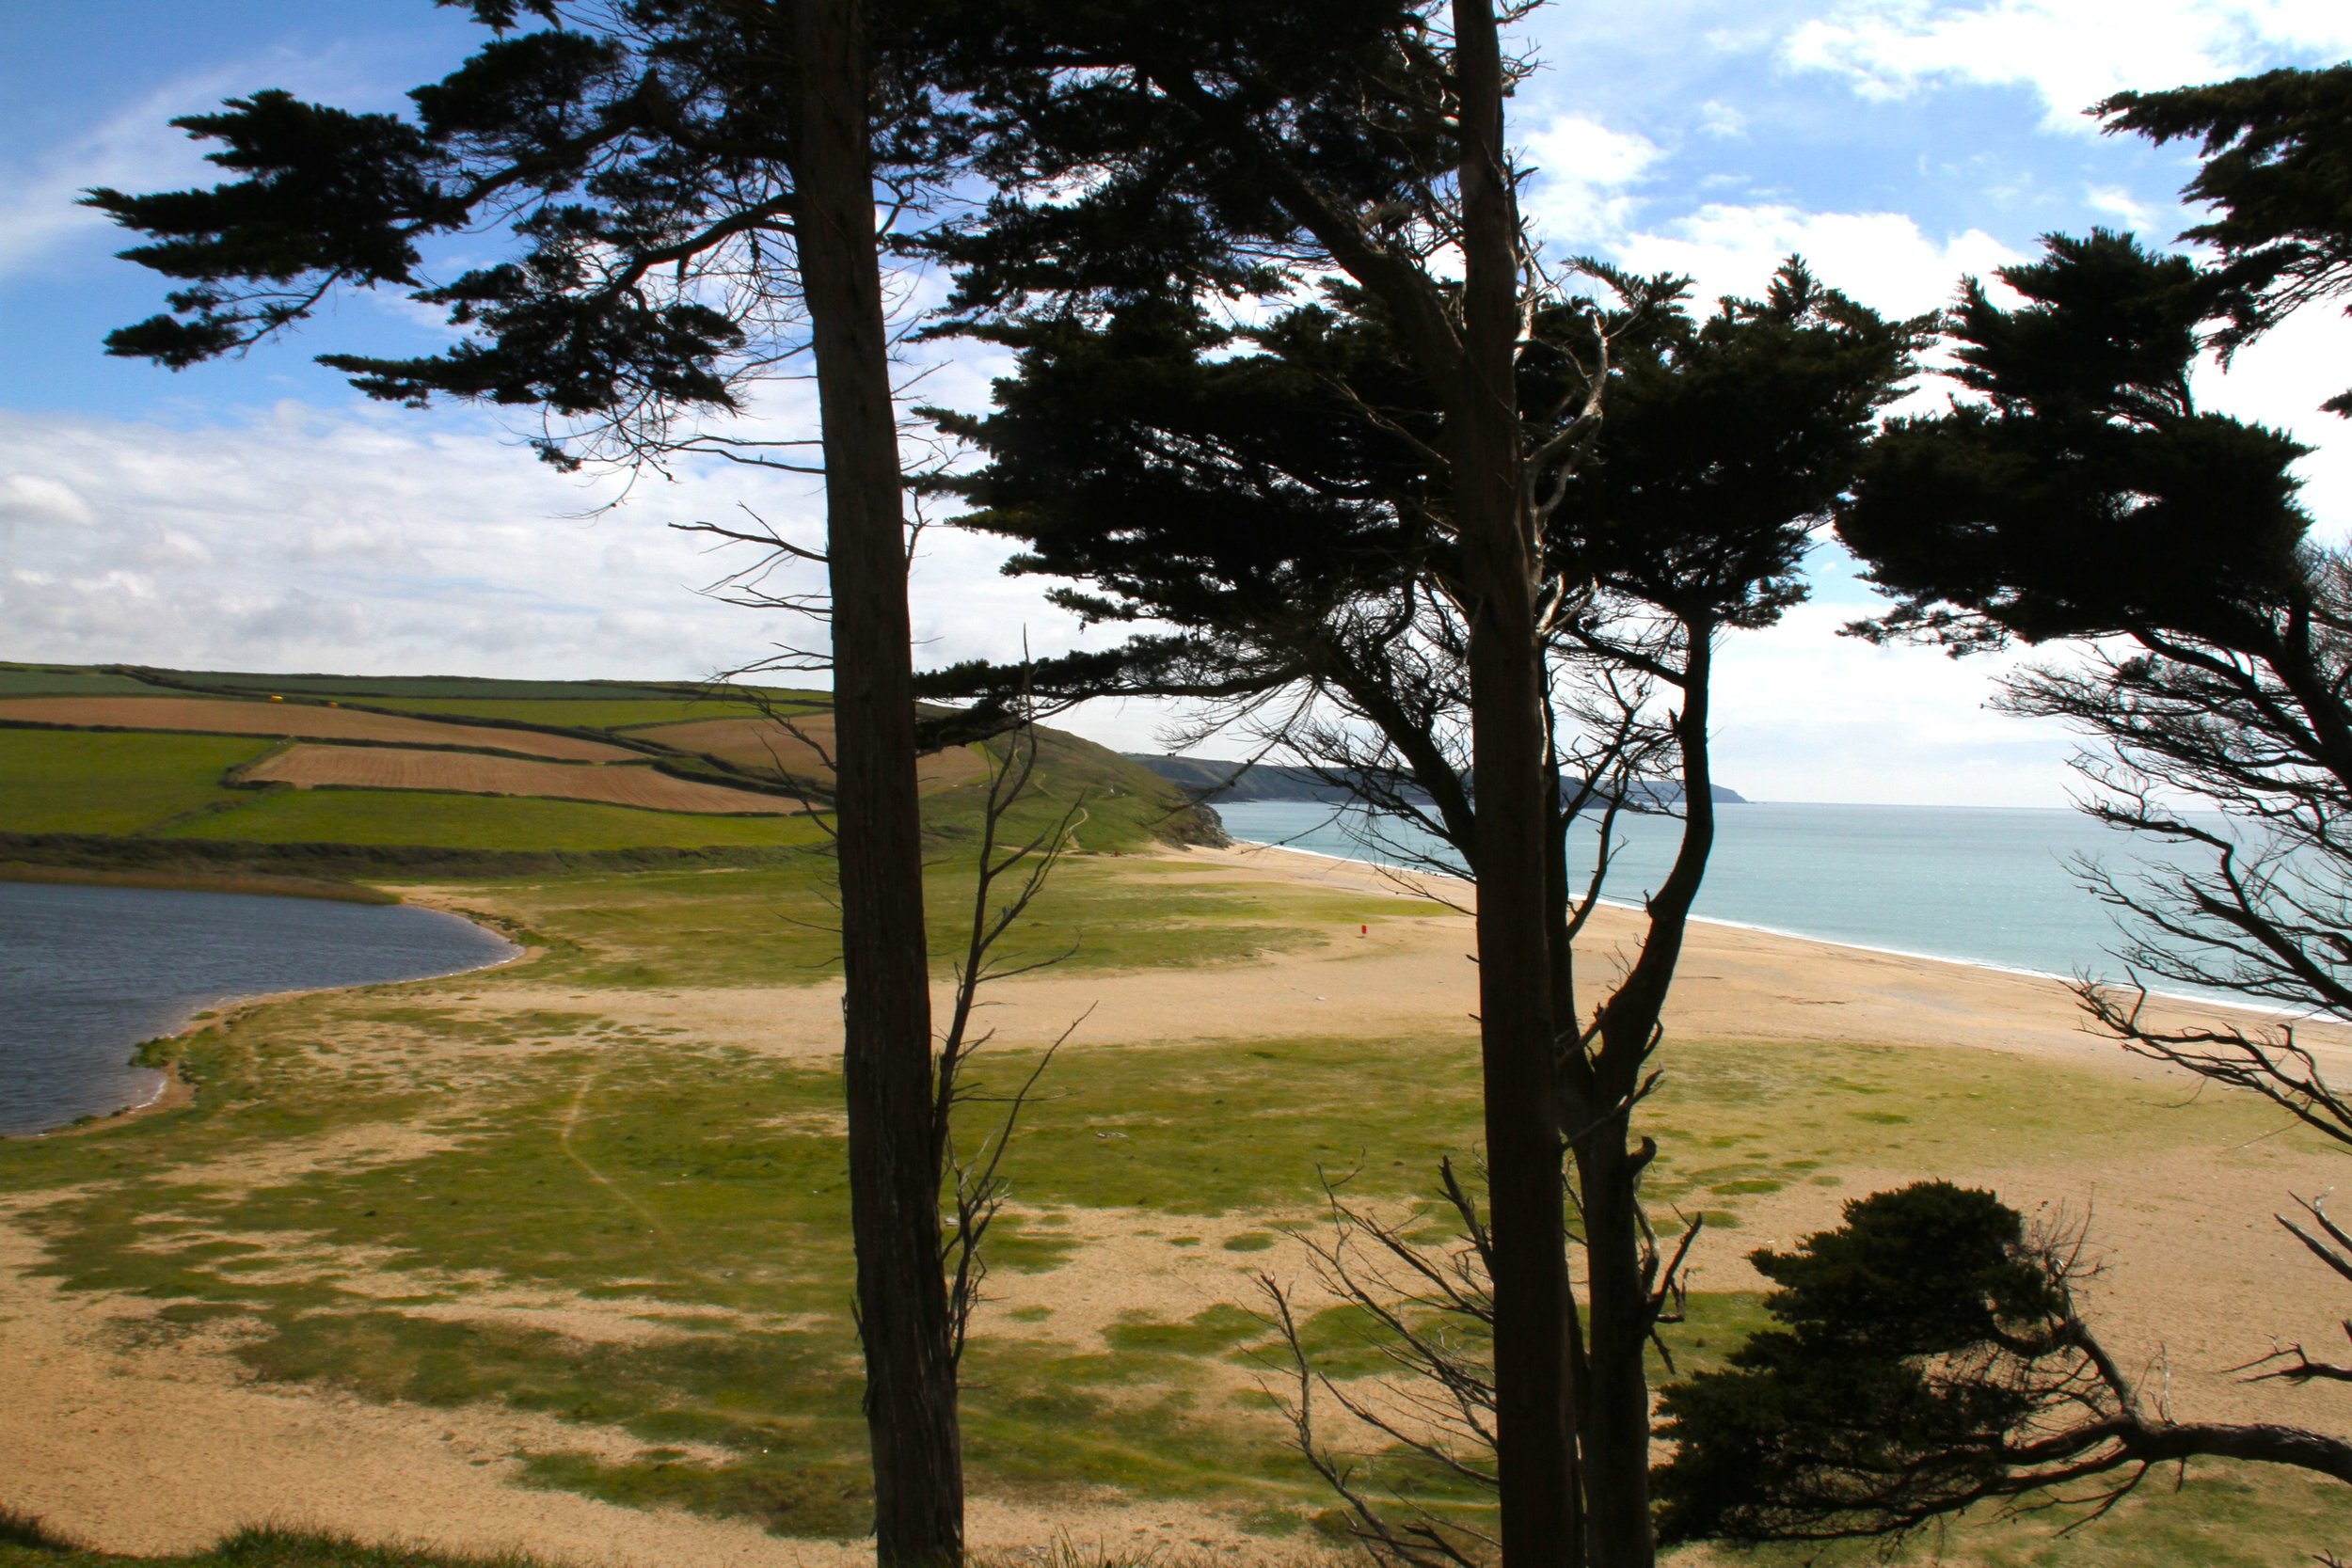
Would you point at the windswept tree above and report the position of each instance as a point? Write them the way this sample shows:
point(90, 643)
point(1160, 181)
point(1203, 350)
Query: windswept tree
point(2276, 179)
point(682, 197)
point(1279, 496)
point(2076, 498)
point(1927, 1356)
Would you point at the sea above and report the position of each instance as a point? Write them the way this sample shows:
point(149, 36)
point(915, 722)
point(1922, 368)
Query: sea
point(1990, 885)
point(86, 974)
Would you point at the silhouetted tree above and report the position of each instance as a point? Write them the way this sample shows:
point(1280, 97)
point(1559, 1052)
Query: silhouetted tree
point(2081, 498)
point(1205, 147)
point(1927, 1356)
point(1279, 496)
point(2278, 177)
point(689, 191)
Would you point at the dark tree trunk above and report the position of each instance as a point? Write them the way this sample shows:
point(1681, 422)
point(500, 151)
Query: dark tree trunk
point(886, 1054)
point(1617, 1417)
point(1534, 1452)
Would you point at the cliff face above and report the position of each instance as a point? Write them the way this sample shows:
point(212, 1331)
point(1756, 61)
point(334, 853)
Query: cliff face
point(1211, 780)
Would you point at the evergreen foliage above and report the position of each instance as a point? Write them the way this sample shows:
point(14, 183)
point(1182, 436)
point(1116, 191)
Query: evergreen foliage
point(2278, 175)
point(2083, 493)
point(1842, 1421)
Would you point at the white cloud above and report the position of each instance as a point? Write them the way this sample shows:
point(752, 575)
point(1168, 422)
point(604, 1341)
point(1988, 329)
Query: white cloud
point(1883, 259)
point(1804, 714)
point(1718, 118)
point(379, 542)
point(136, 149)
point(1584, 177)
point(2281, 381)
point(37, 499)
point(2070, 52)
point(2115, 202)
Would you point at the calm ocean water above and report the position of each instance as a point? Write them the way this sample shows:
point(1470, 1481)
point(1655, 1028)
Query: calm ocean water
point(1986, 886)
point(87, 973)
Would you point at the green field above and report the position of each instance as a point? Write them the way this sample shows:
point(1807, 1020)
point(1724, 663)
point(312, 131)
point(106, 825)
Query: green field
point(98, 784)
point(418, 686)
point(48, 680)
point(571, 714)
point(421, 817)
point(366, 1176)
point(87, 781)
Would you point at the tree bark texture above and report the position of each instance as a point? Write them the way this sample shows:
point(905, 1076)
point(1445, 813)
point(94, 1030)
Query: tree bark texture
point(886, 1057)
point(1535, 1451)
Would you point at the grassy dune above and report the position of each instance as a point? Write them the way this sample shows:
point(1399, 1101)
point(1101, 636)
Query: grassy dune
point(422, 1192)
point(689, 1192)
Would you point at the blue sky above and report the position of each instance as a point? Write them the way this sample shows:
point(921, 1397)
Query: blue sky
point(259, 513)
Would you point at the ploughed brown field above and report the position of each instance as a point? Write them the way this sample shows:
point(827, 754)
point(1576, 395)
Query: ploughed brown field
point(229, 716)
point(767, 746)
point(473, 774)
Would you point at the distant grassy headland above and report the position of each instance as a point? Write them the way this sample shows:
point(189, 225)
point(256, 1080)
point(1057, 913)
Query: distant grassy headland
point(162, 773)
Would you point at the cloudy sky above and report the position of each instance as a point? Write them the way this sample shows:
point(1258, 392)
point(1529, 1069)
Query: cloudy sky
point(259, 514)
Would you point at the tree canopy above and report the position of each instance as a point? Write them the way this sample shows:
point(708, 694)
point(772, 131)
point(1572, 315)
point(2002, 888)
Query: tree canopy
point(2277, 174)
point(2082, 492)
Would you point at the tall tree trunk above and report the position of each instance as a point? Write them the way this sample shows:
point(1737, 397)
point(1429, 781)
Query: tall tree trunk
point(1532, 1302)
point(886, 1054)
point(1616, 1427)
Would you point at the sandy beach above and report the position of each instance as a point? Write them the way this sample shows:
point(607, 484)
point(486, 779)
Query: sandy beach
point(149, 1443)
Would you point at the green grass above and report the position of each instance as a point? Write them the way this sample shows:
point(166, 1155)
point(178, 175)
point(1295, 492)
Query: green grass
point(86, 782)
point(574, 713)
point(406, 687)
point(698, 1188)
point(480, 822)
point(2220, 1515)
point(771, 925)
point(65, 680)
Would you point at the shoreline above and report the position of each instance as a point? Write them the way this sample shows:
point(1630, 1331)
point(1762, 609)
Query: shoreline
point(258, 884)
point(2280, 1015)
point(177, 1091)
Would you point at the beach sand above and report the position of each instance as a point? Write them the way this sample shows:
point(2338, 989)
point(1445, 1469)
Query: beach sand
point(151, 1444)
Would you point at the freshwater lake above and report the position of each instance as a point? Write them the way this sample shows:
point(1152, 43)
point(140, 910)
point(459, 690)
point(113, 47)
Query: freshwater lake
point(1983, 885)
point(87, 973)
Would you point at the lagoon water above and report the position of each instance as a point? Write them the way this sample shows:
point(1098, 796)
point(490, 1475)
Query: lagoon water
point(1987, 885)
point(87, 973)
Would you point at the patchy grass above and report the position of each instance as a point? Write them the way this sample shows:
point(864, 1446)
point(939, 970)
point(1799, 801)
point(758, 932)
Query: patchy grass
point(361, 1168)
point(91, 782)
point(2220, 1515)
point(370, 1183)
point(259, 1546)
point(776, 924)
